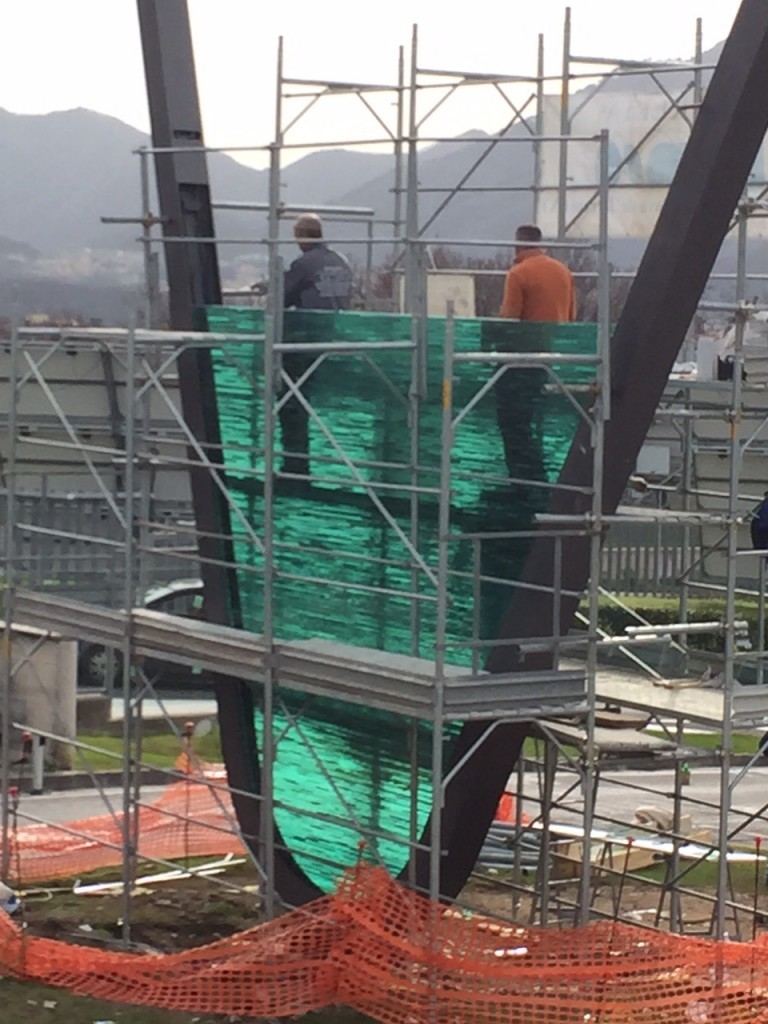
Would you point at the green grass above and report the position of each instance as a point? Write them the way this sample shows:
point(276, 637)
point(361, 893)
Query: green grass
point(741, 743)
point(662, 610)
point(160, 751)
point(698, 606)
point(24, 1002)
point(703, 877)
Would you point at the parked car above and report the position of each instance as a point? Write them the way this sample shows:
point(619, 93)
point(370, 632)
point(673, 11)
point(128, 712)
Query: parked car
point(182, 597)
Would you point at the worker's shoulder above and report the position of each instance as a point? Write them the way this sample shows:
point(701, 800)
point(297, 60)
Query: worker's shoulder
point(333, 257)
point(547, 264)
point(537, 266)
point(321, 256)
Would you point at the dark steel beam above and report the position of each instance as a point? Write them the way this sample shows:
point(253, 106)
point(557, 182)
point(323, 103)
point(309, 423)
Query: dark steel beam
point(193, 283)
point(678, 260)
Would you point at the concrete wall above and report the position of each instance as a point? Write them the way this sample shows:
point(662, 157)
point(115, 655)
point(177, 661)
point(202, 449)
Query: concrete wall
point(44, 689)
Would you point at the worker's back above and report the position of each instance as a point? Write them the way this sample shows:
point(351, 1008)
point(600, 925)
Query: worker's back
point(319, 279)
point(539, 287)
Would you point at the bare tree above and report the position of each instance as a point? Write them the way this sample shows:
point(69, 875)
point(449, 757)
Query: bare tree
point(489, 273)
point(489, 287)
point(583, 264)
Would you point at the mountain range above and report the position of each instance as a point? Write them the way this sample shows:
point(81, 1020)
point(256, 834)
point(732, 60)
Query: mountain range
point(62, 172)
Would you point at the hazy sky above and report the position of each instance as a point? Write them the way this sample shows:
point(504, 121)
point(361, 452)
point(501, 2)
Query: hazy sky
point(59, 54)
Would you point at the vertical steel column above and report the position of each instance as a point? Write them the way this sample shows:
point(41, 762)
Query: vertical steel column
point(8, 603)
point(145, 473)
point(130, 810)
point(397, 218)
point(543, 875)
point(600, 413)
point(539, 129)
point(734, 476)
point(415, 270)
point(368, 287)
point(412, 304)
point(604, 282)
point(272, 365)
point(517, 867)
point(688, 430)
point(272, 333)
point(565, 128)
point(761, 578)
point(415, 304)
point(413, 810)
point(698, 78)
point(443, 532)
point(686, 484)
point(273, 227)
point(149, 256)
point(416, 392)
point(675, 907)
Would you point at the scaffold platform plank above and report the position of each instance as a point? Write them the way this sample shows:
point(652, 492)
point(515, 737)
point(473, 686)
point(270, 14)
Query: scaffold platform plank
point(615, 743)
point(692, 703)
point(390, 682)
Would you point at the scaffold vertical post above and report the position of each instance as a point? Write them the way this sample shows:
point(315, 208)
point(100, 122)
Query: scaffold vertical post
point(148, 254)
point(545, 861)
point(130, 808)
point(267, 819)
point(734, 475)
point(565, 128)
point(675, 907)
point(416, 391)
point(441, 625)
point(397, 211)
point(414, 289)
point(9, 601)
point(761, 579)
point(698, 77)
point(600, 413)
point(537, 170)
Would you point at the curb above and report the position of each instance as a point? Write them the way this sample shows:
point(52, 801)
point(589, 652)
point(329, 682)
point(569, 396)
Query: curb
point(55, 782)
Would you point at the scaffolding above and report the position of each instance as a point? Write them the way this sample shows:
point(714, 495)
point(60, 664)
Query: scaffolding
point(438, 679)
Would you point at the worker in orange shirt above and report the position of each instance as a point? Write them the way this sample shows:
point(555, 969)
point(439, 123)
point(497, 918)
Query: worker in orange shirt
point(537, 288)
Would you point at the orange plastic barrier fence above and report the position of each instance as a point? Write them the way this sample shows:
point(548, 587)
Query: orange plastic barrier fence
point(189, 819)
point(382, 950)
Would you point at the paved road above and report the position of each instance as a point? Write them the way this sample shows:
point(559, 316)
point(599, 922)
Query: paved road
point(701, 799)
point(615, 798)
point(73, 805)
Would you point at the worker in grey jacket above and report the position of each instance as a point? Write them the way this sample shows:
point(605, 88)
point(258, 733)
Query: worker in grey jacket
point(318, 279)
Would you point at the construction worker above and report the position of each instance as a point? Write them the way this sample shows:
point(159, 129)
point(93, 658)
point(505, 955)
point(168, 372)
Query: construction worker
point(318, 279)
point(537, 289)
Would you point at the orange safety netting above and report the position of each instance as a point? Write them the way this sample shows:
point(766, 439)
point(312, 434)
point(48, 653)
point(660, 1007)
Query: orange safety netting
point(387, 952)
point(189, 819)
point(373, 945)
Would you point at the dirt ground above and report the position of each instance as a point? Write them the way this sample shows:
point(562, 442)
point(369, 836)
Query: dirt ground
point(165, 918)
point(642, 902)
point(170, 916)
